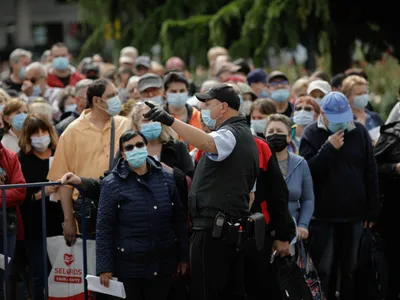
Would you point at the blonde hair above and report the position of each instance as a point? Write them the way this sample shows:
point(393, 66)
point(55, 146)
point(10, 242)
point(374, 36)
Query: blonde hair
point(137, 116)
point(4, 95)
point(299, 84)
point(350, 82)
point(11, 106)
point(42, 108)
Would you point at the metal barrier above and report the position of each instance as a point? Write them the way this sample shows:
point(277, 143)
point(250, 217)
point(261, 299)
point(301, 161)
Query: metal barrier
point(42, 185)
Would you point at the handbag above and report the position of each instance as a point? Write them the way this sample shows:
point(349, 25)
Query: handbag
point(91, 205)
point(309, 271)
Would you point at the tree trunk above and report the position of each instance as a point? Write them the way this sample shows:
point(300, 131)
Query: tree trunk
point(341, 48)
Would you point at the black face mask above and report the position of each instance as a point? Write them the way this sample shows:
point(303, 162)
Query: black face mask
point(277, 141)
point(1, 133)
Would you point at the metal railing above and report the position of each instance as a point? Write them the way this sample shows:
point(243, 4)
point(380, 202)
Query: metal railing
point(42, 185)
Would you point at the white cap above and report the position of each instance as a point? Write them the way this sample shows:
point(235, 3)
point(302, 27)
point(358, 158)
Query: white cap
point(321, 85)
point(126, 60)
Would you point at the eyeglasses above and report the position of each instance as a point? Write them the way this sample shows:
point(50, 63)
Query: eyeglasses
point(130, 147)
point(276, 83)
point(306, 108)
point(34, 80)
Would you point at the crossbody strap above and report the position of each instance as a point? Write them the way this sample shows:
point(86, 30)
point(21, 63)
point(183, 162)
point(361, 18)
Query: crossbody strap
point(112, 144)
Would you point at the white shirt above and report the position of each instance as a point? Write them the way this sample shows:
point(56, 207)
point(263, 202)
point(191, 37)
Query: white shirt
point(10, 141)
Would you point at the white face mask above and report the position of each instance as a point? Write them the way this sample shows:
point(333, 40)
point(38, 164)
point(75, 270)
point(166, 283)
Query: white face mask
point(40, 143)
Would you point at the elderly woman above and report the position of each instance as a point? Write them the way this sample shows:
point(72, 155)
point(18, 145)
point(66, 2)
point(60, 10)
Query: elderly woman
point(296, 172)
point(306, 111)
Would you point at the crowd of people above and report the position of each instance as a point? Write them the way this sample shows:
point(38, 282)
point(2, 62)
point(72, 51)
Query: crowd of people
point(172, 172)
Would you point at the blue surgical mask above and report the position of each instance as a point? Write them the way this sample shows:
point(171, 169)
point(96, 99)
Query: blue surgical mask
point(137, 157)
point(177, 99)
point(206, 116)
point(258, 126)
point(37, 90)
point(114, 106)
point(18, 121)
point(151, 130)
point(40, 143)
point(241, 99)
point(334, 127)
point(60, 63)
point(360, 101)
point(280, 95)
point(303, 117)
point(264, 94)
point(22, 72)
point(319, 101)
point(1, 108)
point(70, 108)
point(157, 100)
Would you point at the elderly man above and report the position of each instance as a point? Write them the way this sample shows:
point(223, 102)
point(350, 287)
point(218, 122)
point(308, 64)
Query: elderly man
point(19, 59)
point(151, 88)
point(81, 105)
point(35, 85)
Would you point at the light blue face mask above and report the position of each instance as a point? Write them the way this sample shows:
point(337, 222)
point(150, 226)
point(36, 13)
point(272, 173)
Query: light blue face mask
point(264, 94)
point(360, 101)
point(22, 72)
point(37, 90)
point(334, 127)
point(157, 100)
point(137, 157)
point(151, 130)
point(258, 126)
point(303, 117)
point(280, 95)
point(114, 106)
point(206, 117)
point(40, 143)
point(18, 121)
point(319, 101)
point(60, 63)
point(1, 108)
point(177, 99)
point(70, 108)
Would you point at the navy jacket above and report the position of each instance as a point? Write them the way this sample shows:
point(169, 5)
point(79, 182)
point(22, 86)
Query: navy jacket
point(141, 228)
point(345, 180)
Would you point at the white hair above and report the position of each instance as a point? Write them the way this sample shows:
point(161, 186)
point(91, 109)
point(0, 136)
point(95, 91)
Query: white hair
point(129, 51)
point(17, 54)
point(37, 66)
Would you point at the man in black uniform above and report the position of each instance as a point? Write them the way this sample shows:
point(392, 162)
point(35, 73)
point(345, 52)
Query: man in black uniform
point(223, 180)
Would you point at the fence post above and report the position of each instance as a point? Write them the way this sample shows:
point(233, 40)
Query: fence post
point(5, 242)
point(44, 244)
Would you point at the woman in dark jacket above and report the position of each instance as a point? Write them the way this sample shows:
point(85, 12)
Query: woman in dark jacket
point(141, 229)
point(387, 155)
point(38, 142)
point(164, 147)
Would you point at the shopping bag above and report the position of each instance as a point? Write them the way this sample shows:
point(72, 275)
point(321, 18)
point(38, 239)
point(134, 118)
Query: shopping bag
point(66, 280)
point(309, 271)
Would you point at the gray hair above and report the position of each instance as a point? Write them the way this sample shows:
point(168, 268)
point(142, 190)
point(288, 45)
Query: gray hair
point(17, 54)
point(37, 66)
point(129, 51)
point(208, 84)
point(81, 85)
point(45, 55)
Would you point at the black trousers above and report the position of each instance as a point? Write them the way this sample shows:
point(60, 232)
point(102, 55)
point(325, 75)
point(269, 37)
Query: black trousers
point(217, 269)
point(156, 288)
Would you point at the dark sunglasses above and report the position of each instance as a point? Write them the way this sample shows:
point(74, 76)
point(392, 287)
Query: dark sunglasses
point(306, 108)
point(130, 147)
point(276, 83)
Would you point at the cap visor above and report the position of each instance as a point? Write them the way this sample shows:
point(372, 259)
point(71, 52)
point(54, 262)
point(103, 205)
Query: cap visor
point(203, 97)
point(340, 118)
point(149, 85)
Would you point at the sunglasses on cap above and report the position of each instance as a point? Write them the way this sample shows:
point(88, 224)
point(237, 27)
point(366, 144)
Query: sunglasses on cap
point(276, 83)
point(130, 147)
point(306, 108)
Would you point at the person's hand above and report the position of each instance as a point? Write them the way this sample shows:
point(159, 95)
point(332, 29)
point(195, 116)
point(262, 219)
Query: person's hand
point(281, 248)
point(158, 114)
point(337, 139)
point(398, 168)
point(51, 189)
point(71, 178)
point(105, 279)
point(182, 267)
point(302, 233)
point(27, 87)
point(70, 231)
point(368, 224)
point(167, 168)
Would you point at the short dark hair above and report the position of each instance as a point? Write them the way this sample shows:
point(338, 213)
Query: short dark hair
point(59, 45)
point(128, 135)
point(322, 75)
point(175, 77)
point(337, 80)
point(96, 89)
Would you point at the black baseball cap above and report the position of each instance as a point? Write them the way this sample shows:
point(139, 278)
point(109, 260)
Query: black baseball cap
point(221, 92)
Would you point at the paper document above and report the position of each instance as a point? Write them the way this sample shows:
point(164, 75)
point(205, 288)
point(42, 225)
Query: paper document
point(2, 261)
point(55, 197)
point(116, 288)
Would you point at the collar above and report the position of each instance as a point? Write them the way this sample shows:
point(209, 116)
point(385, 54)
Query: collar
point(321, 124)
